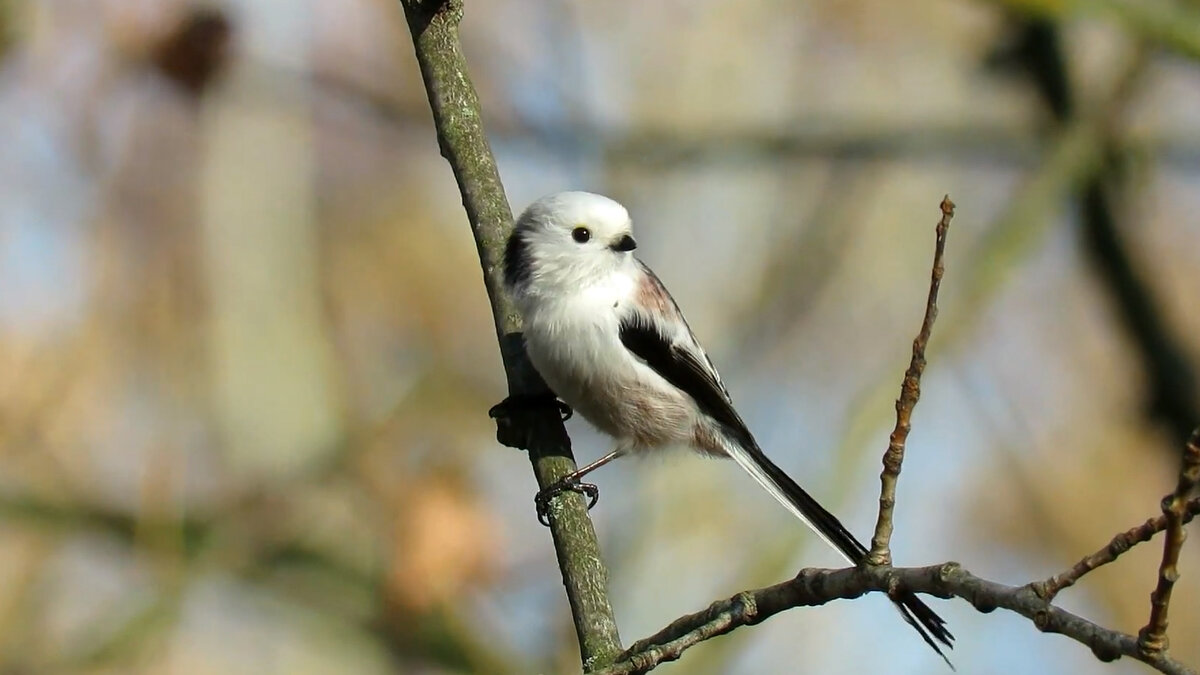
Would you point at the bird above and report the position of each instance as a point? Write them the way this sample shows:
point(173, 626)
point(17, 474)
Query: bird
point(611, 342)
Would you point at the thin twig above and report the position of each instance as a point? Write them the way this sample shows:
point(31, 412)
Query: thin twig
point(910, 392)
point(1121, 543)
point(539, 429)
point(1153, 638)
point(817, 586)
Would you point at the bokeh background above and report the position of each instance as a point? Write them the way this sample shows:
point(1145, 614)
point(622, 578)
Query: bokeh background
point(246, 355)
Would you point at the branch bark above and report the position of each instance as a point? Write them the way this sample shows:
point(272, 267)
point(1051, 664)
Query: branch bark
point(1115, 548)
point(538, 429)
point(1153, 638)
point(813, 587)
point(910, 393)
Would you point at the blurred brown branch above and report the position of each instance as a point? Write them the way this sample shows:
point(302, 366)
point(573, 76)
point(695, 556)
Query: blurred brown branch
point(1172, 25)
point(910, 393)
point(969, 142)
point(196, 52)
point(1171, 390)
point(975, 142)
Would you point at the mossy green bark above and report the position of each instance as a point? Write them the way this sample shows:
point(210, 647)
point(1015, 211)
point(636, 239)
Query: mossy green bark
point(461, 138)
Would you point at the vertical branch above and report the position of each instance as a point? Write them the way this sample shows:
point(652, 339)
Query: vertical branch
point(1153, 638)
point(910, 391)
point(539, 429)
point(1172, 394)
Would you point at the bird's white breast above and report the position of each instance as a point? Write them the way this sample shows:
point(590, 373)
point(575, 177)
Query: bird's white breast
point(573, 339)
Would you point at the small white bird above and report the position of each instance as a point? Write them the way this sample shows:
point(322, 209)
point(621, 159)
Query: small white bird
point(610, 341)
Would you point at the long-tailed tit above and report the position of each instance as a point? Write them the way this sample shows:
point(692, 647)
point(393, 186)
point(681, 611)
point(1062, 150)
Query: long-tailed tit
point(610, 341)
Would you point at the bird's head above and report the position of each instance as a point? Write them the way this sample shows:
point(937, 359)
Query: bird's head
point(568, 239)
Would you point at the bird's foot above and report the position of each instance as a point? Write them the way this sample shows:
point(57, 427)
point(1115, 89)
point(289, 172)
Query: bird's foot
point(526, 402)
point(568, 483)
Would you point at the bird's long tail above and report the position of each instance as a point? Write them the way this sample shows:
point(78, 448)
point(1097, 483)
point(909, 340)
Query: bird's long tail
point(828, 527)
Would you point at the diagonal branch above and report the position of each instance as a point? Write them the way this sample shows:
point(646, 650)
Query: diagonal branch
point(539, 429)
point(1121, 543)
point(817, 586)
point(910, 392)
point(1171, 388)
point(1153, 638)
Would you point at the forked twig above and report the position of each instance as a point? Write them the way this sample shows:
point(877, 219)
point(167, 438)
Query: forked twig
point(1121, 543)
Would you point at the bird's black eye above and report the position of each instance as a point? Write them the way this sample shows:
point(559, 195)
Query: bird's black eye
point(581, 234)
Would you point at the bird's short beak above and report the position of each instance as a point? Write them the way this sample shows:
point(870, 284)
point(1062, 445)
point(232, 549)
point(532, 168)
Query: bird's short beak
point(625, 243)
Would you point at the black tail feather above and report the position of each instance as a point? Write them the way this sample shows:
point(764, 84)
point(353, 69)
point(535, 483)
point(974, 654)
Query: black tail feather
point(927, 623)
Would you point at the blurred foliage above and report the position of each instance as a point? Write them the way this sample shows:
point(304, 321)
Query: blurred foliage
point(246, 355)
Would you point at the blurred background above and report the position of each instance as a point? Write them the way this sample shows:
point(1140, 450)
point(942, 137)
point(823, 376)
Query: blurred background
point(246, 355)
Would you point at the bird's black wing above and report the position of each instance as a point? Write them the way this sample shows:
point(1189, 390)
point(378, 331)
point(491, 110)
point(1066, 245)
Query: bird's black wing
point(681, 365)
point(656, 332)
